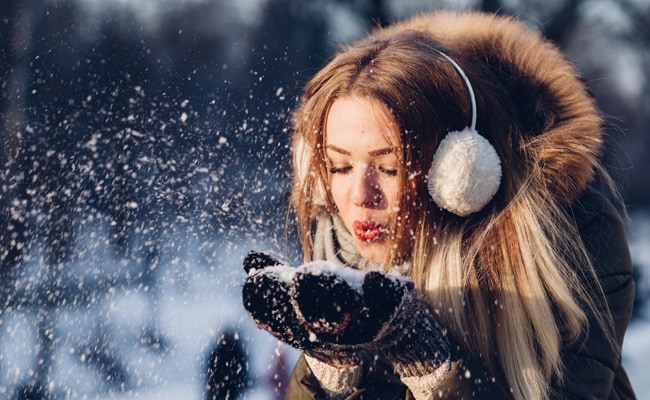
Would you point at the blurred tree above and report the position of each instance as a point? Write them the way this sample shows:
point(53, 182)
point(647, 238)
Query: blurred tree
point(15, 29)
point(15, 46)
point(227, 368)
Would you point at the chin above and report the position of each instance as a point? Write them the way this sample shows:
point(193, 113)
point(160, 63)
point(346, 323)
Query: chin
point(374, 252)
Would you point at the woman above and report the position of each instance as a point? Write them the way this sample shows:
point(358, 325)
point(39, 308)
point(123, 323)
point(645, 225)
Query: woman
point(461, 151)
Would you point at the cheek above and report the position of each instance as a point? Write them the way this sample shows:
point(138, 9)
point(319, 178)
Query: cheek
point(392, 192)
point(338, 189)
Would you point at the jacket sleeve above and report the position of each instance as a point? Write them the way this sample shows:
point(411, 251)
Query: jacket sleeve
point(593, 368)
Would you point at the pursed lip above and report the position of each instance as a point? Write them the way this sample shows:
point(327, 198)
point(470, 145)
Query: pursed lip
point(368, 231)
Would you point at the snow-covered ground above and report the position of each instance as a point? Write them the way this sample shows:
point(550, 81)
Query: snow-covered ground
point(636, 347)
point(636, 357)
point(185, 311)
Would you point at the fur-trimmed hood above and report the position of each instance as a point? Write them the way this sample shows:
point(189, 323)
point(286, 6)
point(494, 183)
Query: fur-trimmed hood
point(562, 125)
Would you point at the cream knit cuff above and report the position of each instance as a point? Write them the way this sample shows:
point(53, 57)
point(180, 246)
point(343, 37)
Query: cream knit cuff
point(336, 382)
point(425, 387)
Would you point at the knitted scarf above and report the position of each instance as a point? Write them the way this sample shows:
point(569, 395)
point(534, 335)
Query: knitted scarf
point(332, 241)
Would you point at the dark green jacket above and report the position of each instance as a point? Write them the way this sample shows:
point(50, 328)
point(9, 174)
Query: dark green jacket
point(593, 365)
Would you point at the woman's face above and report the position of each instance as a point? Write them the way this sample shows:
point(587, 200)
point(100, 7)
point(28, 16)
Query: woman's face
point(362, 144)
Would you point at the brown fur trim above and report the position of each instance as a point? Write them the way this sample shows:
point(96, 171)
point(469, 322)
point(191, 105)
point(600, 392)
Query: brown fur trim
point(566, 138)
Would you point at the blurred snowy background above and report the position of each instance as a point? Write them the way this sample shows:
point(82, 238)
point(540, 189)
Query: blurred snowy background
point(144, 153)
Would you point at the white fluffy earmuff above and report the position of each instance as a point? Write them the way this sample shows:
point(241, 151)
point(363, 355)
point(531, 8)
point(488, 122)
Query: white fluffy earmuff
point(465, 173)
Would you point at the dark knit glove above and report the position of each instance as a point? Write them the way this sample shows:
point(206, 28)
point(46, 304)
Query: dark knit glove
point(334, 311)
point(268, 296)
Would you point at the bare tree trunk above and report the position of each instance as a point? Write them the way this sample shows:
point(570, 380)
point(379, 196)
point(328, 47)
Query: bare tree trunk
point(560, 28)
point(494, 6)
point(14, 39)
point(378, 12)
point(15, 48)
point(16, 31)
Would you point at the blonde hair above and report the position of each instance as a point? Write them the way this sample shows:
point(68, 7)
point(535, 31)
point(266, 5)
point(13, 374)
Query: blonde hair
point(506, 281)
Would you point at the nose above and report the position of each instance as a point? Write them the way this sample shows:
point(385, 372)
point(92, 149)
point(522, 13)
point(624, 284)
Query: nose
point(366, 190)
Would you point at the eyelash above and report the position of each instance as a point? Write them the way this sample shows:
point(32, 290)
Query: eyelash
point(344, 170)
point(336, 170)
point(389, 172)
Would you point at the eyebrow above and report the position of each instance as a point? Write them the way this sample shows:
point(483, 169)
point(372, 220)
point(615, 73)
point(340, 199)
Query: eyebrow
point(374, 153)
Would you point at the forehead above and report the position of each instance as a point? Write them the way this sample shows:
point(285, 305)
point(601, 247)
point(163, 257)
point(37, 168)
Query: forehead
point(360, 122)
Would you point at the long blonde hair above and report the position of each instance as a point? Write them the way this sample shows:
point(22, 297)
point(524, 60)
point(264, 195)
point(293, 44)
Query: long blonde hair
point(505, 281)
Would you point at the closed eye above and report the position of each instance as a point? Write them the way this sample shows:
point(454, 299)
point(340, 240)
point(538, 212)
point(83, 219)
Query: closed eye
point(347, 169)
point(388, 171)
point(340, 170)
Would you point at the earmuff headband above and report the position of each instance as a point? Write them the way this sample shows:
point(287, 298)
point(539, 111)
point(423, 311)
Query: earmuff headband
point(467, 83)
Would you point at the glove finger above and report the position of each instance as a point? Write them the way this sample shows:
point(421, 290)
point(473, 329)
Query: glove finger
point(258, 260)
point(325, 303)
point(267, 300)
point(383, 295)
